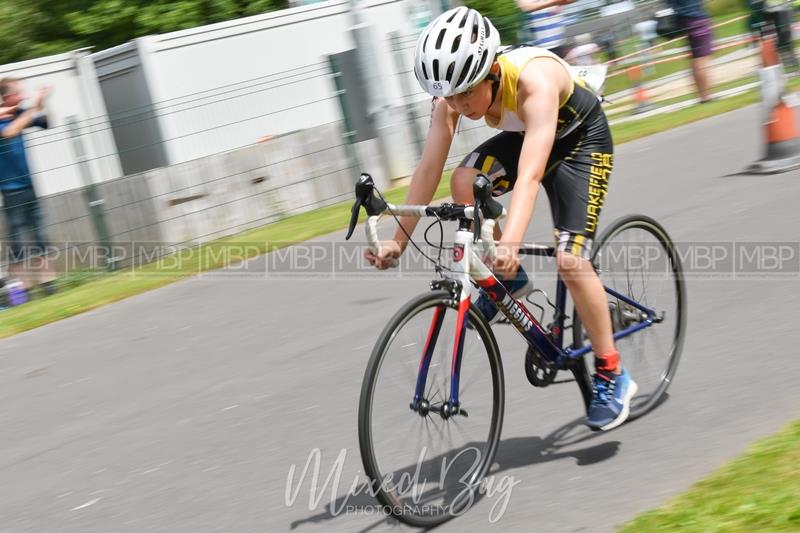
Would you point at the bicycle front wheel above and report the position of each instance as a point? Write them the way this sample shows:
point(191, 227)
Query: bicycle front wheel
point(636, 258)
point(424, 467)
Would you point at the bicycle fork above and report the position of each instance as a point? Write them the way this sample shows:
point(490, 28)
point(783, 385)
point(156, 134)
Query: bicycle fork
point(459, 287)
point(468, 265)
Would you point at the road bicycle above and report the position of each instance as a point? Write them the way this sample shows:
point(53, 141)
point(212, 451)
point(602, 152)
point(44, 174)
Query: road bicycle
point(433, 395)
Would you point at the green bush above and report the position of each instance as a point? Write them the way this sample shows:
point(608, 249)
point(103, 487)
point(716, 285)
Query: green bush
point(504, 14)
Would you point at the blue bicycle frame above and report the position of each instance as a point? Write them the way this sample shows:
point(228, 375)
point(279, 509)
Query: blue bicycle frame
point(468, 266)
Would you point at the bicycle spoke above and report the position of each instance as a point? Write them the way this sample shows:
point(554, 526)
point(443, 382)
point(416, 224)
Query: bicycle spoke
point(435, 394)
point(460, 430)
point(467, 387)
point(650, 279)
point(387, 443)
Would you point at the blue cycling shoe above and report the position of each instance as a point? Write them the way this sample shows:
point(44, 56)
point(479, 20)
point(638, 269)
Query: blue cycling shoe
point(518, 287)
point(611, 400)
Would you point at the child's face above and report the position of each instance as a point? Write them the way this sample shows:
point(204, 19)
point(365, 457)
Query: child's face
point(473, 103)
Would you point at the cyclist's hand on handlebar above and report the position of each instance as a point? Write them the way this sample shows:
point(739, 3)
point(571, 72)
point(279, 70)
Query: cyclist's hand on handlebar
point(507, 261)
point(387, 251)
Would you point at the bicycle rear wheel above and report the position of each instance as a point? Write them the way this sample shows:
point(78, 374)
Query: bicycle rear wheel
point(635, 257)
point(433, 463)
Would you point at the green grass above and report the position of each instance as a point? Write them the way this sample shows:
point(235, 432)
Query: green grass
point(724, 8)
point(726, 30)
point(629, 131)
point(618, 79)
point(729, 30)
point(636, 129)
point(93, 290)
point(758, 492)
point(615, 110)
point(629, 45)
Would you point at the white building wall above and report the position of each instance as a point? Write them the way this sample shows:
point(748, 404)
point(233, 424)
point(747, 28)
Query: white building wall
point(222, 86)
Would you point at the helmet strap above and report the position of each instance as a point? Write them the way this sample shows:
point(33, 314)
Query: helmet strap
point(495, 87)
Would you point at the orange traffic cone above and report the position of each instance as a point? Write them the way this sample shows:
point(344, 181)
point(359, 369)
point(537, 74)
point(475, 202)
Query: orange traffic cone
point(780, 124)
point(636, 78)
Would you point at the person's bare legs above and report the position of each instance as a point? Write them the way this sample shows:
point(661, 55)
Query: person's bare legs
point(589, 296)
point(461, 184)
point(701, 77)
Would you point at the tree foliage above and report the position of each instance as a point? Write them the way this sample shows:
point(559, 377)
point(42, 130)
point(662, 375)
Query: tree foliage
point(504, 14)
point(35, 28)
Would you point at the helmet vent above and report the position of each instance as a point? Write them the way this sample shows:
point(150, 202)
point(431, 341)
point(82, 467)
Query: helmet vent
point(440, 39)
point(483, 61)
point(465, 71)
point(449, 75)
point(435, 70)
point(455, 12)
point(456, 42)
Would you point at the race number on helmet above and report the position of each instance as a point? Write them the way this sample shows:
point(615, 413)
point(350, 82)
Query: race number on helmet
point(455, 52)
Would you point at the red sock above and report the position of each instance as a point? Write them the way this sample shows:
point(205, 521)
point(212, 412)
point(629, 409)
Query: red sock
point(608, 362)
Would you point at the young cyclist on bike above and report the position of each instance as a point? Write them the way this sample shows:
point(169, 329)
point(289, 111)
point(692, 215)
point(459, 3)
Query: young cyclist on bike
point(555, 134)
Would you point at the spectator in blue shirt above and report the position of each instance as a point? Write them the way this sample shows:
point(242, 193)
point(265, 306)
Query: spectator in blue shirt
point(20, 204)
point(545, 24)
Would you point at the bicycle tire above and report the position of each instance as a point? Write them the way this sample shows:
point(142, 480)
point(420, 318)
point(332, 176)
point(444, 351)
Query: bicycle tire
point(641, 403)
point(390, 501)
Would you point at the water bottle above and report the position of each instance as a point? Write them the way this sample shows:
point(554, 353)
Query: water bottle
point(16, 293)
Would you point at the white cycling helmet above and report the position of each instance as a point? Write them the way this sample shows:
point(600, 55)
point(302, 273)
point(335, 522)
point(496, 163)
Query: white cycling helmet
point(455, 52)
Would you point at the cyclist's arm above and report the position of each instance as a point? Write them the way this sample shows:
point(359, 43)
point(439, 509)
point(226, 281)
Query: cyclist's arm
point(538, 104)
point(429, 171)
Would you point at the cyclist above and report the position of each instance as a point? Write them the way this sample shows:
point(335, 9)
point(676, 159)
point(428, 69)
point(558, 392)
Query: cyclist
point(554, 134)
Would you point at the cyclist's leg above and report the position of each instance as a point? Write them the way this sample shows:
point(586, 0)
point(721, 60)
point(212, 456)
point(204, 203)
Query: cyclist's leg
point(496, 157)
point(576, 184)
point(575, 233)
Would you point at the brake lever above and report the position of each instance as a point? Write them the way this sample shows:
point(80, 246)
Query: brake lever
point(476, 221)
point(482, 191)
point(365, 196)
point(487, 205)
point(353, 218)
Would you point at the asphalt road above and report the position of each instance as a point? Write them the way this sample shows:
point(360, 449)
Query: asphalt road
point(183, 409)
